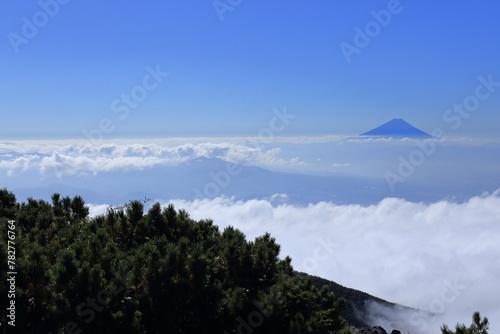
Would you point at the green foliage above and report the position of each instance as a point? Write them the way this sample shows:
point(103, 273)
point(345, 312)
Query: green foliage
point(158, 271)
point(356, 300)
point(8, 205)
point(478, 326)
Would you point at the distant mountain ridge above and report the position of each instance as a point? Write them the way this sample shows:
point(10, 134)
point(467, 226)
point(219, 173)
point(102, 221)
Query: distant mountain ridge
point(358, 312)
point(208, 178)
point(397, 128)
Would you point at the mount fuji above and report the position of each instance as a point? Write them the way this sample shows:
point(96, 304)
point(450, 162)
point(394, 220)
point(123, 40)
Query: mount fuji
point(397, 128)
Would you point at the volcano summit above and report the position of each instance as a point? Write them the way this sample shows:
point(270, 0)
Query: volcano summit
point(397, 128)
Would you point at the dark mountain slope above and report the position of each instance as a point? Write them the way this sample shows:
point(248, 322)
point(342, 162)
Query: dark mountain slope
point(357, 301)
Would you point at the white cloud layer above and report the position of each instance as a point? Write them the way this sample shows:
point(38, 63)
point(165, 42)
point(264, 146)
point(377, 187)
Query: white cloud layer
point(324, 154)
point(75, 158)
point(442, 257)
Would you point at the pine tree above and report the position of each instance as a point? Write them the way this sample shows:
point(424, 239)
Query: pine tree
point(130, 272)
point(478, 326)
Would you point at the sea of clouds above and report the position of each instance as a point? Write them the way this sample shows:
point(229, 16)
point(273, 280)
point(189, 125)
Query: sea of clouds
point(325, 154)
point(442, 258)
point(81, 158)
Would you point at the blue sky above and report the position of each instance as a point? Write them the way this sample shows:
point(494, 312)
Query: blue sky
point(226, 76)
